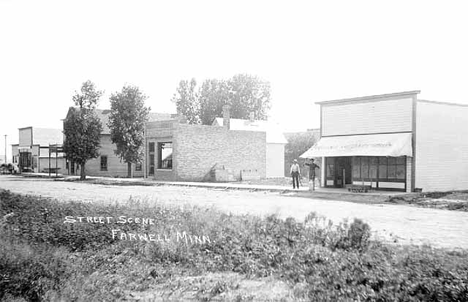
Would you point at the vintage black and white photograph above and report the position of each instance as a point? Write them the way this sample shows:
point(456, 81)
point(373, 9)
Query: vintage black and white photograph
point(233, 150)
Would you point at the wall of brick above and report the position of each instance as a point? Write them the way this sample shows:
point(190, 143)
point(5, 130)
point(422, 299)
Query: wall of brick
point(198, 148)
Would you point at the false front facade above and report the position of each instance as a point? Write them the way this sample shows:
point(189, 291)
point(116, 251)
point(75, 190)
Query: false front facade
point(393, 142)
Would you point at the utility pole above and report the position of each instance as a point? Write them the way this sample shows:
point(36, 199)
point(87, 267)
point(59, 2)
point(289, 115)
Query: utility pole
point(5, 150)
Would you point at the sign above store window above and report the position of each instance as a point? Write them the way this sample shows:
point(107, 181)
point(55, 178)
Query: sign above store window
point(394, 144)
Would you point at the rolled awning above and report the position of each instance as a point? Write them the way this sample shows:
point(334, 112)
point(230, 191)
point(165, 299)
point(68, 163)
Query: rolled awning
point(394, 144)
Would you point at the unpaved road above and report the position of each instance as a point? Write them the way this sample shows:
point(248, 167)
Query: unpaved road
point(407, 224)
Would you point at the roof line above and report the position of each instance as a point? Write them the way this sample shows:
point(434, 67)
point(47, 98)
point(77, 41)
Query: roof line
point(371, 97)
point(443, 103)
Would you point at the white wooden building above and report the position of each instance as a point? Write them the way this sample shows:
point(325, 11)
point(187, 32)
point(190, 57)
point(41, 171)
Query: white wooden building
point(36, 150)
point(393, 142)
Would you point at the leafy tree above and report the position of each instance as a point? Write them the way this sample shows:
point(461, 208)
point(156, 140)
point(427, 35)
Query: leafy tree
point(89, 96)
point(82, 127)
point(187, 102)
point(249, 94)
point(214, 94)
point(126, 122)
point(245, 94)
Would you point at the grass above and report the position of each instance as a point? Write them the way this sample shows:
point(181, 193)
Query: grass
point(246, 258)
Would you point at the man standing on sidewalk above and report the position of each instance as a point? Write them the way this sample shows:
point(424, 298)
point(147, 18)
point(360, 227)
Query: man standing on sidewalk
point(295, 174)
point(312, 167)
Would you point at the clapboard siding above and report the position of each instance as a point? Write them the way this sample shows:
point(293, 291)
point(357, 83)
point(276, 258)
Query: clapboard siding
point(380, 116)
point(115, 167)
point(441, 146)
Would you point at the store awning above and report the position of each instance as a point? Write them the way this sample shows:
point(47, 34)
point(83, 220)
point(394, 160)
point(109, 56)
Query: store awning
point(395, 144)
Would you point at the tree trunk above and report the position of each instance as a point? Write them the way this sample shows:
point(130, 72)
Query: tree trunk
point(129, 170)
point(82, 172)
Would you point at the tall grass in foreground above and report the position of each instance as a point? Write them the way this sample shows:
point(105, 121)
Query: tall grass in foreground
point(43, 258)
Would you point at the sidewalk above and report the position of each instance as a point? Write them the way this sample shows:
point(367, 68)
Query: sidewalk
point(327, 193)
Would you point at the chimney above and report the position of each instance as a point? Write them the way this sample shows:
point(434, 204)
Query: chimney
point(252, 116)
point(226, 117)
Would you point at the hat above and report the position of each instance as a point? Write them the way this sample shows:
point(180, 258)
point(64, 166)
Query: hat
point(295, 160)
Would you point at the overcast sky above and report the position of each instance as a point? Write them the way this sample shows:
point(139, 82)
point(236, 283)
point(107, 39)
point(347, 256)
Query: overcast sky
point(308, 50)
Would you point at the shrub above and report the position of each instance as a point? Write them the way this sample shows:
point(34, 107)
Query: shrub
point(42, 258)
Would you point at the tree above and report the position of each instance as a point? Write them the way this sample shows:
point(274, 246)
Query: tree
point(82, 128)
point(214, 94)
point(126, 123)
point(244, 93)
point(249, 94)
point(298, 143)
point(187, 102)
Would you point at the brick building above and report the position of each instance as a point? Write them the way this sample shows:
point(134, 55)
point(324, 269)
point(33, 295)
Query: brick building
point(178, 151)
point(393, 142)
point(109, 164)
point(275, 141)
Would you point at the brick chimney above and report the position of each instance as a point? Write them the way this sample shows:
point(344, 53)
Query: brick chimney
point(252, 116)
point(226, 117)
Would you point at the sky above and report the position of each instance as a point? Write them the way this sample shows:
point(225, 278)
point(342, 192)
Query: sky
point(309, 51)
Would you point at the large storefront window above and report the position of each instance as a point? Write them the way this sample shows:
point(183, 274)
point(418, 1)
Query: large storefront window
point(165, 155)
point(379, 168)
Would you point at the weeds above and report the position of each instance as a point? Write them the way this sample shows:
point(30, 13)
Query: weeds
point(43, 258)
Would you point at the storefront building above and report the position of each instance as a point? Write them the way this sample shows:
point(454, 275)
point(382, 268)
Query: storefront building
point(393, 142)
point(177, 151)
point(39, 150)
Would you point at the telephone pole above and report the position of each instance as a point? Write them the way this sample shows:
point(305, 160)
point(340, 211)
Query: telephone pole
point(5, 150)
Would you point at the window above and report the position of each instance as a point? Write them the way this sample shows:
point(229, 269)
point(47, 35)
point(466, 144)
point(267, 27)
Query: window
point(330, 168)
point(138, 167)
point(356, 167)
point(165, 155)
point(365, 167)
point(382, 168)
point(373, 168)
point(151, 159)
point(103, 163)
point(401, 168)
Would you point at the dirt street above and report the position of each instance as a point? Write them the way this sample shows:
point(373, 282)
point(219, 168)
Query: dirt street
point(440, 228)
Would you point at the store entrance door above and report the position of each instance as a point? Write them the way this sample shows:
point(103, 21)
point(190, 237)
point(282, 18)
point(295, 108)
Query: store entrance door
point(343, 172)
point(25, 161)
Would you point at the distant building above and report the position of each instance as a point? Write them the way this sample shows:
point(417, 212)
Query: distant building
point(109, 164)
point(393, 142)
point(178, 151)
point(35, 151)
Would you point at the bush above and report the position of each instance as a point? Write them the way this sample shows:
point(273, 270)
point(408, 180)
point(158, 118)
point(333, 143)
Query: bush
point(42, 258)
